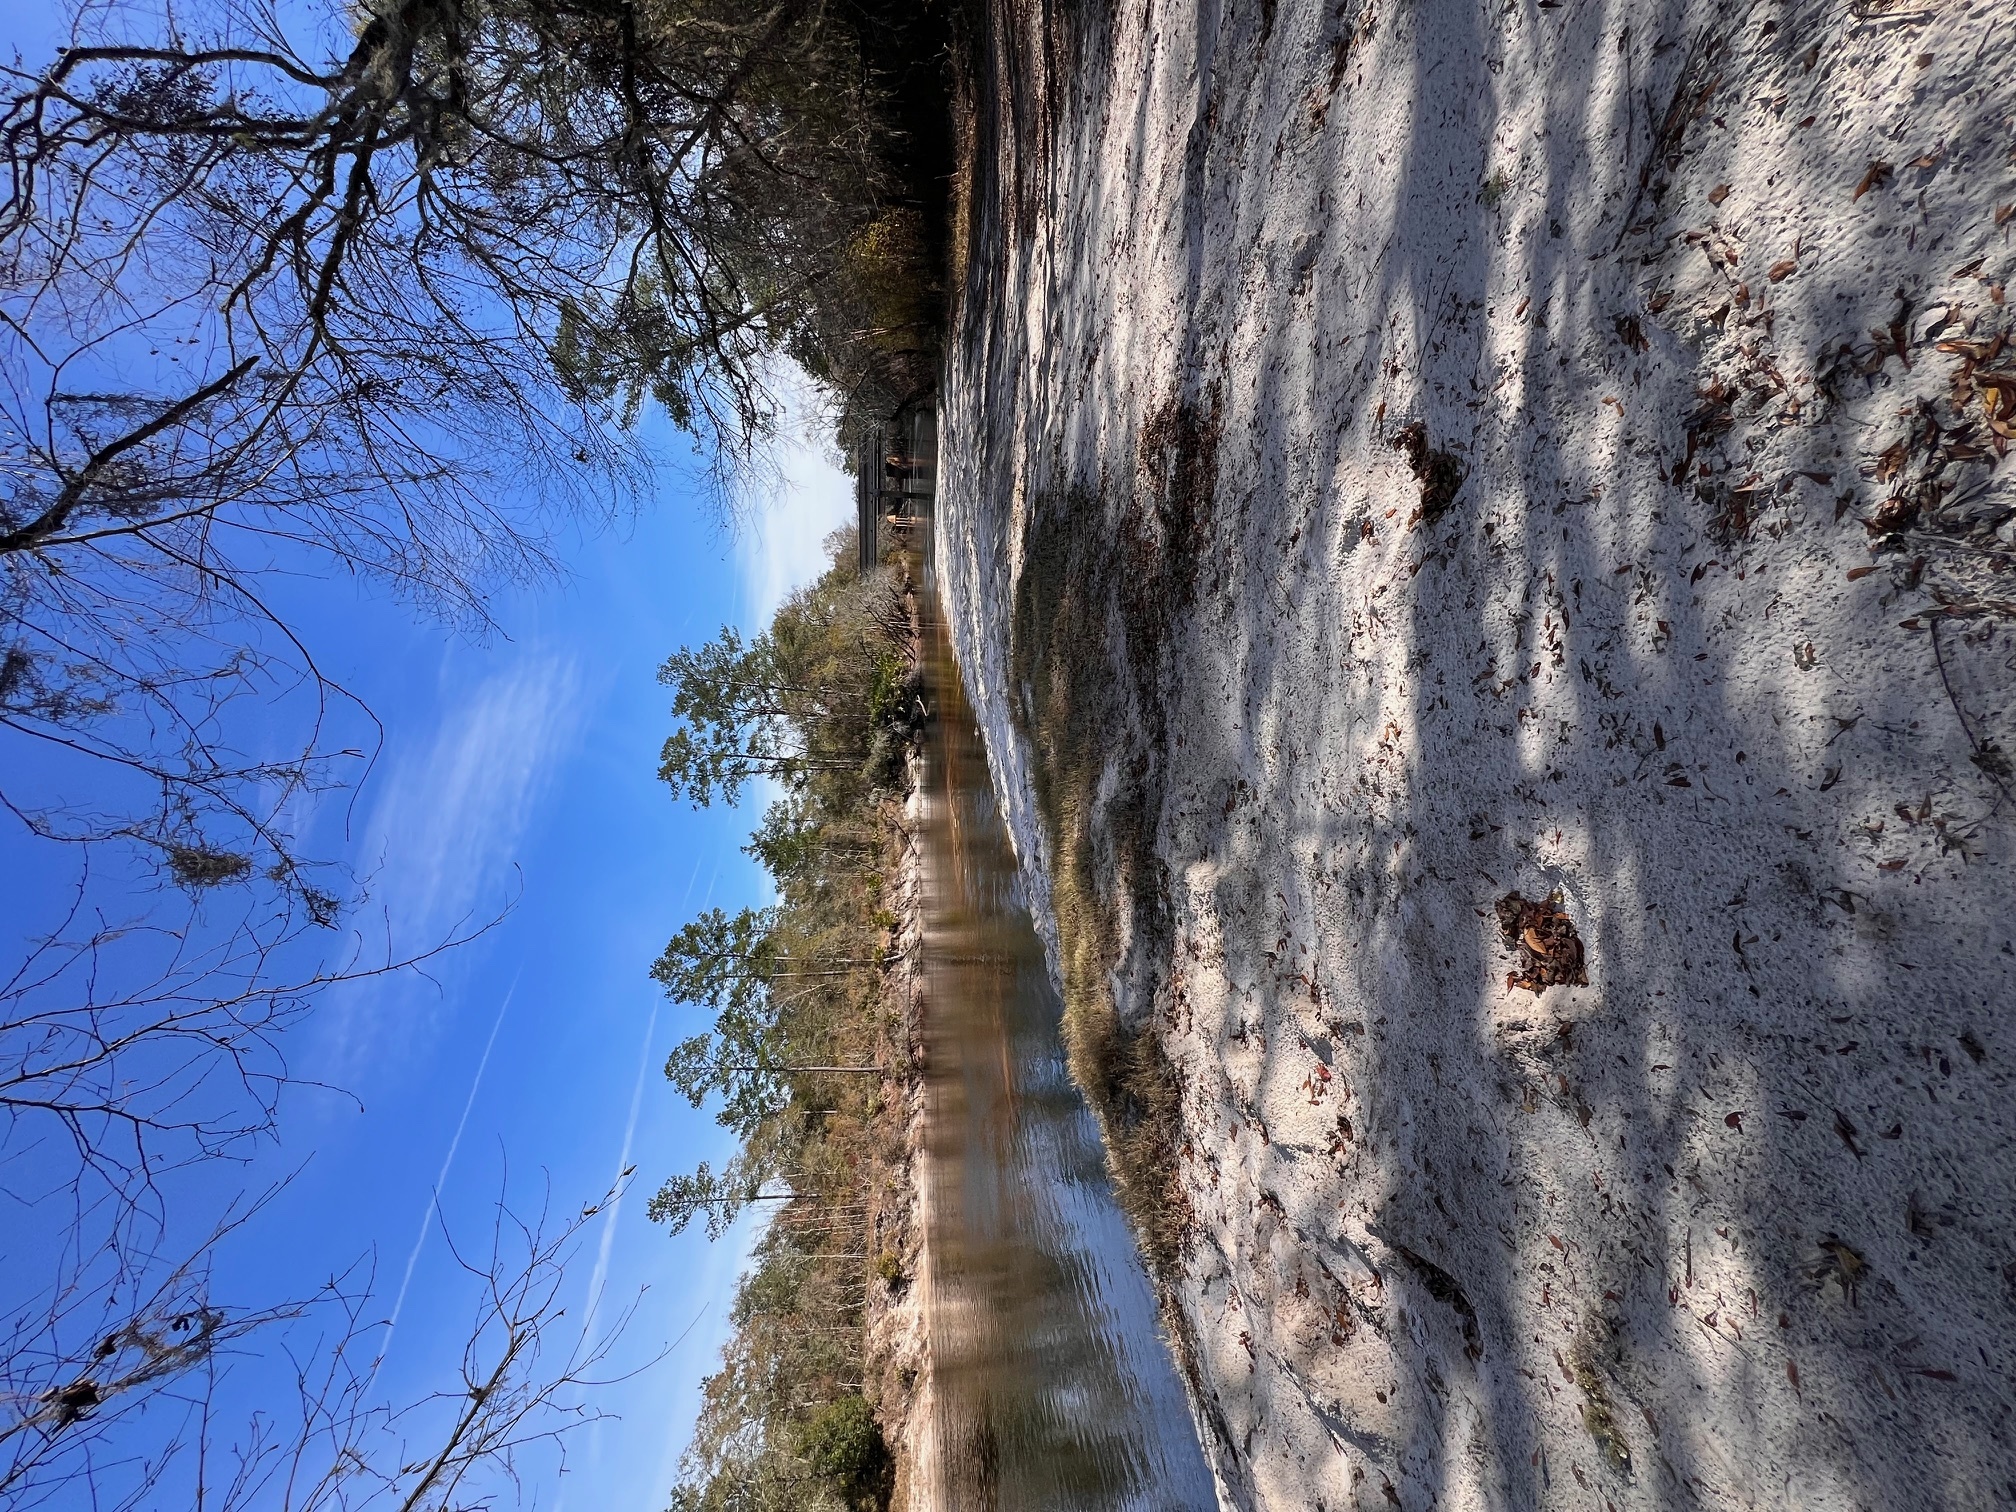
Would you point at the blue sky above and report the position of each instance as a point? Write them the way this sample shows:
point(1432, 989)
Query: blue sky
point(516, 775)
point(521, 772)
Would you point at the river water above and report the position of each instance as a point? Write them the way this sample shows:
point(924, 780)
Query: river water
point(1052, 1386)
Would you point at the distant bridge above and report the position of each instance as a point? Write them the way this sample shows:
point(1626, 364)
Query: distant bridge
point(896, 482)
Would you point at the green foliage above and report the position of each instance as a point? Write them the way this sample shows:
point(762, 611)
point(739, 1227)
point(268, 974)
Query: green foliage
point(726, 964)
point(785, 991)
point(802, 704)
point(739, 1070)
point(891, 686)
point(804, 845)
point(612, 354)
point(683, 1198)
point(704, 1194)
point(719, 961)
point(783, 1424)
point(731, 700)
point(843, 1444)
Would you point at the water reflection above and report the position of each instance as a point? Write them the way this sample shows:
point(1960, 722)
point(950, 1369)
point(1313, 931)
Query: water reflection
point(1053, 1388)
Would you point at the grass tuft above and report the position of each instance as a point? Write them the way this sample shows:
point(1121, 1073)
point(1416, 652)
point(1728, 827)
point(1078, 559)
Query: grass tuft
point(1102, 585)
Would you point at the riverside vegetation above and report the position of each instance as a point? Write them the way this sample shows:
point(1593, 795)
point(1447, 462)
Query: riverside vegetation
point(807, 1051)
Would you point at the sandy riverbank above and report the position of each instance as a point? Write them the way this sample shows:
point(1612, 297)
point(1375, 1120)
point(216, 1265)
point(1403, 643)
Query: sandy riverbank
point(898, 1339)
point(898, 1347)
point(1697, 310)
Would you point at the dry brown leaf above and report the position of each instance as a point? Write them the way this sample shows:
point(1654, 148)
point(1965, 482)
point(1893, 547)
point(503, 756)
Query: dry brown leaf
point(1877, 173)
point(1929, 159)
point(1718, 194)
point(2003, 214)
point(1781, 270)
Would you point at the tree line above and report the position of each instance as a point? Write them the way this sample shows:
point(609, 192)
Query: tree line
point(801, 1049)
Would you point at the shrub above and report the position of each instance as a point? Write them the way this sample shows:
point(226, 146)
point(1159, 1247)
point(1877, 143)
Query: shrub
point(886, 266)
point(843, 1444)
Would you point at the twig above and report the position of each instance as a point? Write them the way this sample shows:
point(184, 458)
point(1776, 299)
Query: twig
point(1986, 756)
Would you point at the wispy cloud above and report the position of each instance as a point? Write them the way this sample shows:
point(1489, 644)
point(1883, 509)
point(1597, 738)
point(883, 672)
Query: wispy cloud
point(434, 1195)
point(604, 1251)
point(449, 824)
point(600, 1278)
point(440, 849)
point(780, 545)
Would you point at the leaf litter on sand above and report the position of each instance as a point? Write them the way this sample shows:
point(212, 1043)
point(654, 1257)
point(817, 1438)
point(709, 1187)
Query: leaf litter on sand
point(1439, 473)
point(1546, 942)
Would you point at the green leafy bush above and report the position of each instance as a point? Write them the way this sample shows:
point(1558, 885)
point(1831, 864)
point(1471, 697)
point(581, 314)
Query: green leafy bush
point(843, 1445)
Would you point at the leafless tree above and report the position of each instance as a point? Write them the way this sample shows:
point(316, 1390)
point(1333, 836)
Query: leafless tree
point(305, 1434)
point(308, 297)
point(132, 1061)
point(115, 1072)
point(376, 304)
